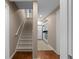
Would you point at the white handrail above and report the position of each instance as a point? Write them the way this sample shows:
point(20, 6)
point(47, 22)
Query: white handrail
point(19, 29)
point(21, 32)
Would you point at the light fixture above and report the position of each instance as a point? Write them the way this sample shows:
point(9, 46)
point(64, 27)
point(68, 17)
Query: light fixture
point(40, 16)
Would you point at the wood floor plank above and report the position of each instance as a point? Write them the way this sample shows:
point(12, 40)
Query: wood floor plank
point(41, 55)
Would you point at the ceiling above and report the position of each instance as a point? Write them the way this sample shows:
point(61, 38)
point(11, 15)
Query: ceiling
point(24, 4)
point(45, 6)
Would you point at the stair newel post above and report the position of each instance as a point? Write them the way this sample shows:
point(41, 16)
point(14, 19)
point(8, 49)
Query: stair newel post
point(35, 18)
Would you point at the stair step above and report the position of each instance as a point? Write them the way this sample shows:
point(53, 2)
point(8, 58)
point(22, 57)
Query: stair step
point(27, 30)
point(28, 50)
point(21, 45)
point(26, 33)
point(25, 42)
point(24, 47)
point(26, 36)
point(26, 39)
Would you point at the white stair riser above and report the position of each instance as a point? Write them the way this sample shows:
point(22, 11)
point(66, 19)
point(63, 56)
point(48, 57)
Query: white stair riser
point(25, 49)
point(26, 36)
point(25, 42)
point(25, 39)
point(24, 46)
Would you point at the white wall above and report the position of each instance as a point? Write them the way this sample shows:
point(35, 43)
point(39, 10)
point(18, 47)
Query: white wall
point(52, 30)
point(22, 14)
point(39, 29)
point(13, 21)
point(58, 31)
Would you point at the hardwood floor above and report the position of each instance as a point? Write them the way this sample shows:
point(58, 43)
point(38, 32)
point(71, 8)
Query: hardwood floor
point(23, 55)
point(41, 55)
point(47, 55)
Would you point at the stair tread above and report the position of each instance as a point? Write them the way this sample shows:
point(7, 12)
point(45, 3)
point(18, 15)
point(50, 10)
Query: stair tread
point(26, 36)
point(24, 48)
point(26, 39)
point(26, 33)
point(21, 45)
point(25, 43)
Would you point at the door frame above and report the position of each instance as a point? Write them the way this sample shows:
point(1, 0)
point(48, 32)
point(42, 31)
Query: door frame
point(65, 17)
point(7, 26)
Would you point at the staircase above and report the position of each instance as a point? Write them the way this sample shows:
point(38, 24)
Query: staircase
point(25, 40)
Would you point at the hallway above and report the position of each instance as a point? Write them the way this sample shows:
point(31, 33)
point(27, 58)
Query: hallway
point(43, 46)
point(41, 55)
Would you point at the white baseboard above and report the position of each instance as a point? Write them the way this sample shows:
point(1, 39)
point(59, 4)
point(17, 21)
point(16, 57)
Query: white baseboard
point(13, 54)
point(53, 49)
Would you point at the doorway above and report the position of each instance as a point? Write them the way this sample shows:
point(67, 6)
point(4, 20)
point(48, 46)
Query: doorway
point(47, 18)
point(53, 37)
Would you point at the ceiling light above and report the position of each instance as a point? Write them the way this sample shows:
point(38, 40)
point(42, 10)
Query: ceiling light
point(40, 16)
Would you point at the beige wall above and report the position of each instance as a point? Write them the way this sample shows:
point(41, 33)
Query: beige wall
point(16, 18)
point(21, 14)
point(52, 30)
point(14, 23)
point(58, 31)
